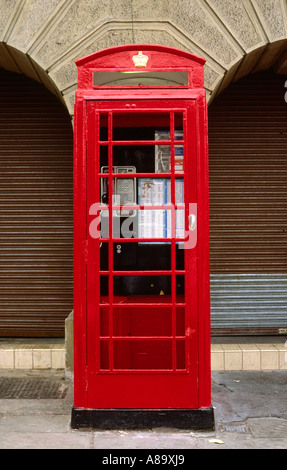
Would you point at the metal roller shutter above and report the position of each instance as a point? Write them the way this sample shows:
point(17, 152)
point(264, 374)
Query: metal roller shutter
point(248, 206)
point(35, 209)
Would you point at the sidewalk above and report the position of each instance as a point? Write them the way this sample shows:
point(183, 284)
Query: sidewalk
point(250, 412)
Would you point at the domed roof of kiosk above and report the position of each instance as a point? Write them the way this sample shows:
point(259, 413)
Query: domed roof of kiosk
point(116, 56)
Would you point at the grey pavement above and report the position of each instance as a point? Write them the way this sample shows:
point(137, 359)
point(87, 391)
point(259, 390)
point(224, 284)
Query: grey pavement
point(250, 413)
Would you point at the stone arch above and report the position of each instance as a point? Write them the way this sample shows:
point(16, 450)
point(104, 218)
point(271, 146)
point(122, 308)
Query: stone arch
point(43, 39)
point(14, 60)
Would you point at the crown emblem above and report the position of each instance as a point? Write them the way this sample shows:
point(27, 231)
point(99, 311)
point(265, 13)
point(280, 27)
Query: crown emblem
point(140, 60)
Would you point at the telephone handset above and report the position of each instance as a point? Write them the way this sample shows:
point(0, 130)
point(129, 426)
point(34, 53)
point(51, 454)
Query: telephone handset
point(124, 190)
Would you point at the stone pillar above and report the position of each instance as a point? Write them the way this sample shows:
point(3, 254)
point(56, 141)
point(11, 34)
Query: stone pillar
point(69, 343)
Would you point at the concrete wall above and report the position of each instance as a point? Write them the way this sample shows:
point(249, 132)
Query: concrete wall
point(43, 38)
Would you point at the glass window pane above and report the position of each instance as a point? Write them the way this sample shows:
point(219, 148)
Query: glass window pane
point(104, 355)
point(141, 158)
point(180, 257)
point(179, 191)
point(140, 78)
point(133, 125)
point(143, 355)
point(104, 256)
point(179, 286)
point(178, 121)
point(179, 224)
point(104, 159)
point(104, 286)
point(157, 286)
point(178, 159)
point(125, 226)
point(142, 256)
point(104, 225)
point(103, 126)
point(180, 354)
point(104, 189)
point(152, 224)
point(138, 321)
point(163, 152)
point(162, 157)
point(180, 321)
point(155, 191)
point(104, 321)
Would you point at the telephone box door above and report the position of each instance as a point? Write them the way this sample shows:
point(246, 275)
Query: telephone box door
point(142, 335)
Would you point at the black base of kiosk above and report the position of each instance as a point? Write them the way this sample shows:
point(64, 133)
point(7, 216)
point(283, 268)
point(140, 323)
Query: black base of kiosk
point(197, 419)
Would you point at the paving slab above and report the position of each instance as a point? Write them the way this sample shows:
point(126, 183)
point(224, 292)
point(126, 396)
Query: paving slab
point(35, 423)
point(144, 440)
point(269, 428)
point(44, 440)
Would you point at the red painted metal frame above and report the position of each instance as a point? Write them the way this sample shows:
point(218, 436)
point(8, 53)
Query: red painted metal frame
point(146, 379)
point(95, 388)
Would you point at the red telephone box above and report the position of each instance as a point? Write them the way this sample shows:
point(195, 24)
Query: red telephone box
point(141, 241)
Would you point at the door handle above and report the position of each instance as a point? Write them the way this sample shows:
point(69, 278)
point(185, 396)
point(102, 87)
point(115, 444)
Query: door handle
point(192, 222)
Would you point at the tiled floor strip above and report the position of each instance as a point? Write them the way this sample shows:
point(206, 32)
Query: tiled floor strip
point(237, 353)
point(256, 356)
point(29, 354)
